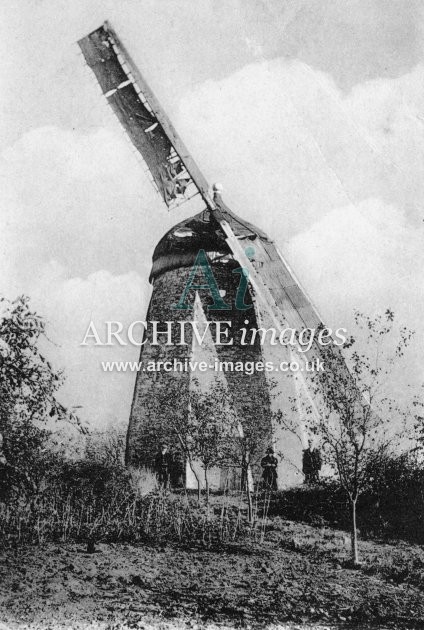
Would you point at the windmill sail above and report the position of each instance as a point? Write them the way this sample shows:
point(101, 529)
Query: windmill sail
point(172, 169)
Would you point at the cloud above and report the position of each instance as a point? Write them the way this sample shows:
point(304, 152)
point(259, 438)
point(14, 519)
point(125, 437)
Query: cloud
point(335, 179)
point(71, 202)
point(69, 305)
point(391, 114)
point(356, 255)
point(77, 198)
point(366, 257)
point(292, 145)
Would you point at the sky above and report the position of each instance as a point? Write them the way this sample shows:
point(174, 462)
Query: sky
point(310, 113)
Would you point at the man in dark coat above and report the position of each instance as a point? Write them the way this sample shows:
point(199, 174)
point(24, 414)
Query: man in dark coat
point(163, 462)
point(269, 465)
point(311, 464)
point(316, 465)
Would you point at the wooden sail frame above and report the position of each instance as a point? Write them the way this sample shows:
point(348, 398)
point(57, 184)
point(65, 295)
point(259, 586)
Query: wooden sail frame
point(179, 146)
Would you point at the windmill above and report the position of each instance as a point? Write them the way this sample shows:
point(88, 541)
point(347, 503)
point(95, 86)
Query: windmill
point(273, 297)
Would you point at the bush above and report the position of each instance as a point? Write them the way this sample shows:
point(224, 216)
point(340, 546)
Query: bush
point(392, 507)
point(88, 501)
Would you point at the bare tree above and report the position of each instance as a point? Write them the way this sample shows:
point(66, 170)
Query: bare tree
point(209, 430)
point(254, 435)
point(213, 428)
point(348, 410)
point(202, 422)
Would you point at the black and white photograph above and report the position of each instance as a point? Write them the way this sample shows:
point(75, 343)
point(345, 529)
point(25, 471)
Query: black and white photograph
point(211, 304)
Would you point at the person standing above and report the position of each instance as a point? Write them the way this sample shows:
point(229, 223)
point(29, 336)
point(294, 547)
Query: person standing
point(269, 465)
point(311, 464)
point(307, 463)
point(316, 465)
point(163, 462)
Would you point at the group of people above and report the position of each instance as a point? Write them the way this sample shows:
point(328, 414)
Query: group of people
point(311, 466)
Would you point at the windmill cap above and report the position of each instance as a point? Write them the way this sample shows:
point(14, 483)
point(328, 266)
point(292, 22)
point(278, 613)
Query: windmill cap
point(218, 188)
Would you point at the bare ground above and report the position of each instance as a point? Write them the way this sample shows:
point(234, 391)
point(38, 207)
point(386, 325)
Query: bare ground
point(297, 578)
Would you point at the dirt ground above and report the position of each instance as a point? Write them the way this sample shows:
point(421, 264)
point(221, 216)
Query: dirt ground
point(298, 578)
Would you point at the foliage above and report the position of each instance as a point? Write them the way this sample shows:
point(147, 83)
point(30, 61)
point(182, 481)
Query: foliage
point(356, 422)
point(28, 388)
point(418, 415)
point(356, 418)
point(89, 501)
point(202, 423)
point(106, 447)
point(391, 507)
point(211, 425)
point(207, 429)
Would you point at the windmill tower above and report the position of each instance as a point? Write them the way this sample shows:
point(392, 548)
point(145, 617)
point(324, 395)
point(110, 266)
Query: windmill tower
point(234, 250)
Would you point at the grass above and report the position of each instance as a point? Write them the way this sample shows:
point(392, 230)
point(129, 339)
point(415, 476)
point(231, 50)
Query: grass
point(114, 505)
point(103, 544)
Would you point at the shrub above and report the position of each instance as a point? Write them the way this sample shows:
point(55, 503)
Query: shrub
point(391, 507)
point(89, 501)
